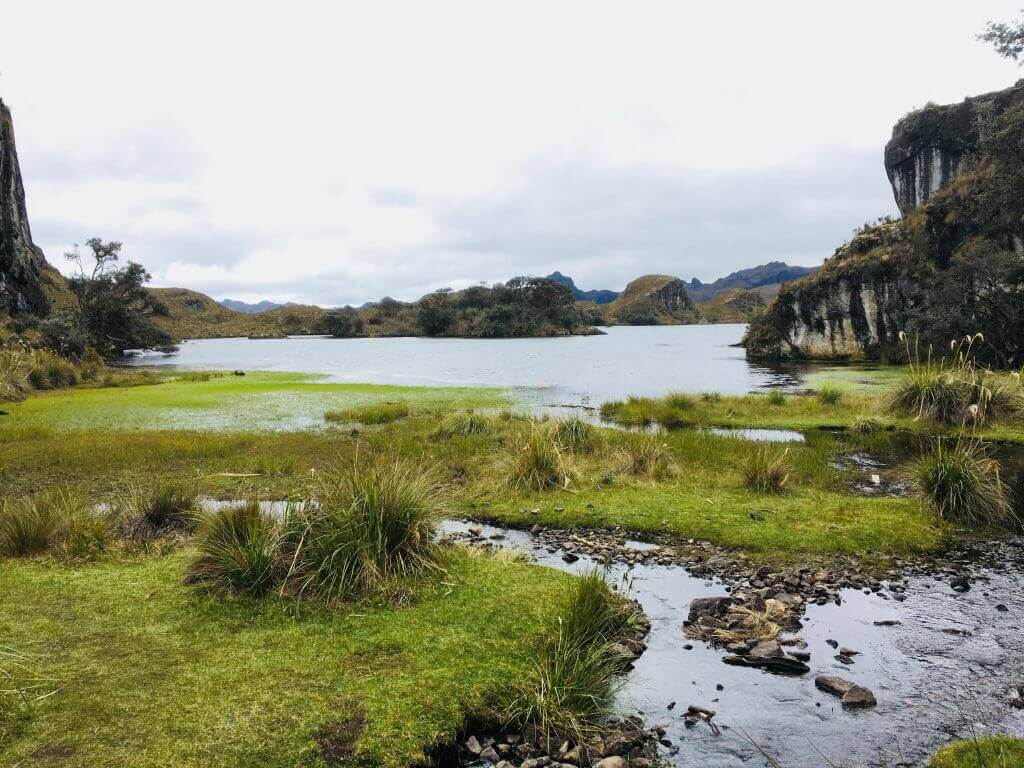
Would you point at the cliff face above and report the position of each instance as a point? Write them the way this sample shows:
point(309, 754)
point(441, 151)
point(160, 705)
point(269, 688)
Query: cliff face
point(955, 174)
point(21, 262)
point(929, 147)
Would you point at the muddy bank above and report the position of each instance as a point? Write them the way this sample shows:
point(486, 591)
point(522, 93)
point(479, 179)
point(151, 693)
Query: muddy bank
point(939, 643)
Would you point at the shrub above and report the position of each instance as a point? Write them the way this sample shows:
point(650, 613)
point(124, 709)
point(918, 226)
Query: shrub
point(239, 549)
point(777, 397)
point(962, 483)
point(461, 425)
point(143, 513)
point(378, 413)
point(829, 394)
point(27, 527)
point(645, 456)
point(575, 435)
point(534, 462)
point(369, 529)
point(766, 470)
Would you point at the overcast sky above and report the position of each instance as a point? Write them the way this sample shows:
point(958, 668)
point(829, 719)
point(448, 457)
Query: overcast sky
point(337, 152)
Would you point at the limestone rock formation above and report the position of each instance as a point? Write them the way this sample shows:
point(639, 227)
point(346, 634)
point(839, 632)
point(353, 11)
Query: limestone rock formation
point(654, 300)
point(21, 261)
point(928, 147)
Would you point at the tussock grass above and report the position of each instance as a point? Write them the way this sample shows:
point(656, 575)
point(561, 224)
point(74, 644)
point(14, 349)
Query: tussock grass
point(143, 512)
point(575, 435)
point(272, 465)
point(27, 527)
point(461, 425)
point(60, 521)
point(680, 401)
point(777, 397)
point(239, 551)
point(535, 462)
point(575, 674)
point(644, 455)
point(865, 425)
point(125, 379)
point(15, 367)
point(200, 375)
point(962, 483)
point(377, 413)
point(766, 470)
point(642, 412)
point(369, 530)
point(50, 371)
point(829, 394)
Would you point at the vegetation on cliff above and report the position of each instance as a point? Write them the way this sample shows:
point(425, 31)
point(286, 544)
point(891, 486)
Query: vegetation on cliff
point(653, 300)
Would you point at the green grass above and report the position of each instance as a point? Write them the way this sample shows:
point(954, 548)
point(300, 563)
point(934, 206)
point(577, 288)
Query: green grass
point(377, 413)
point(962, 483)
point(152, 674)
point(984, 752)
point(239, 551)
point(258, 401)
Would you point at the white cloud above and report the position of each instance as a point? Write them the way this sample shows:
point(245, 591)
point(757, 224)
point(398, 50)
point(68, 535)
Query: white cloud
point(339, 151)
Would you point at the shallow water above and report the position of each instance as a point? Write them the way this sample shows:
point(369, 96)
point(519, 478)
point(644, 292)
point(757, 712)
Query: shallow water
point(558, 372)
point(943, 671)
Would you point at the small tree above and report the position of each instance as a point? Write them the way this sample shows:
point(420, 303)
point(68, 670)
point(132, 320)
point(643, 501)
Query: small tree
point(435, 313)
point(114, 308)
point(1007, 39)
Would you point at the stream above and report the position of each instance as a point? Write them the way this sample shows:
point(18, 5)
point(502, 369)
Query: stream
point(941, 664)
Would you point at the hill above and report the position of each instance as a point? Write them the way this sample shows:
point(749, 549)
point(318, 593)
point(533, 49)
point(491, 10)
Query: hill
point(194, 315)
point(653, 300)
point(259, 306)
point(766, 278)
point(732, 306)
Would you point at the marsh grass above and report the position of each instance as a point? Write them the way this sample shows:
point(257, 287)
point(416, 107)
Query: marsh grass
point(642, 412)
point(766, 470)
point(962, 483)
point(575, 674)
point(575, 435)
point(125, 379)
point(50, 371)
point(535, 462)
point(60, 522)
point(193, 376)
point(142, 512)
point(461, 425)
point(777, 397)
point(680, 401)
point(369, 532)
point(15, 367)
point(28, 527)
point(239, 550)
point(829, 394)
point(376, 413)
point(644, 455)
point(981, 752)
point(273, 465)
point(865, 425)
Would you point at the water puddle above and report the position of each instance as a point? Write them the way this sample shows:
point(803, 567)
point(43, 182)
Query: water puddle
point(760, 435)
point(940, 663)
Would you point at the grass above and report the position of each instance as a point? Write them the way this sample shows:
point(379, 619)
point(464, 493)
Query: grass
point(370, 531)
point(461, 425)
point(239, 551)
point(984, 752)
point(255, 402)
point(27, 527)
point(59, 521)
point(767, 470)
point(575, 435)
point(377, 413)
point(962, 483)
point(829, 394)
point(644, 455)
point(265, 679)
point(21, 688)
point(144, 512)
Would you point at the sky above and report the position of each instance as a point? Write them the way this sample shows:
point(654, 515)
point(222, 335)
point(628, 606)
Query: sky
point(337, 152)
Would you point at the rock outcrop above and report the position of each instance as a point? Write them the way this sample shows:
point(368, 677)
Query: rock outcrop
point(654, 300)
point(21, 261)
point(929, 147)
point(955, 177)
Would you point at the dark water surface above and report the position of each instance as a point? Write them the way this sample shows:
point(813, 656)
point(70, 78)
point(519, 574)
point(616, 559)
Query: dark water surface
point(943, 671)
point(578, 370)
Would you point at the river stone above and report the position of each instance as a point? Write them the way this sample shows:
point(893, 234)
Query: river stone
point(614, 761)
point(473, 746)
point(490, 754)
point(780, 665)
point(837, 686)
point(859, 696)
point(766, 649)
point(708, 606)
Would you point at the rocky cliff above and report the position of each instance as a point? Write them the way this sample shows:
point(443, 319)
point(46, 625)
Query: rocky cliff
point(21, 262)
point(654, 300)
point(957, 177)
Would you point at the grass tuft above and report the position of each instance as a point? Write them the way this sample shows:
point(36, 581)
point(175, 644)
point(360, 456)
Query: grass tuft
point(777, 397)
point(143, 513)
point(645, 455)
point(239, 548)
point(865, 425)
point(962, 483)
point(369, 530)
point(534, 462)
point(829, 394)
point(575, 435)
point(461, 425)
point(27, 527)
point(766, 470)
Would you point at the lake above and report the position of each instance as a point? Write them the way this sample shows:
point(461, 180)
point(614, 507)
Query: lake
point(576, 370)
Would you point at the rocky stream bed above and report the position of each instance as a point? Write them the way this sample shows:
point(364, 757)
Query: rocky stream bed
point(866, 668)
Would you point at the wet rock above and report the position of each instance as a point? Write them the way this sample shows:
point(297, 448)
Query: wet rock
point(473, 746)
point(780, 665)
point(1002, 608)
point(490, 754)
point(959, 584)
point(766, 649)
point(614, 761)
point(859, 696)
point(709, 606)
point(837, 686)
point(505, 764)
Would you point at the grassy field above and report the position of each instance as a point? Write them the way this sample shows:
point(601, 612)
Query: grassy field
point(985, 752)
point(149, 673)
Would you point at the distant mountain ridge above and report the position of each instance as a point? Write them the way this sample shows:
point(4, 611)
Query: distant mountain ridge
point(250, 309)
point(598, 296)
point(765, 278)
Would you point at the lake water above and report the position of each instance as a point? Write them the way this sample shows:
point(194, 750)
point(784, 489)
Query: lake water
point(578, 370)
